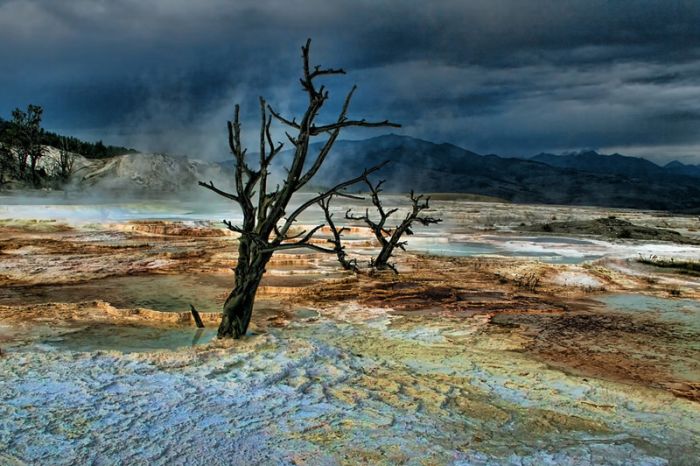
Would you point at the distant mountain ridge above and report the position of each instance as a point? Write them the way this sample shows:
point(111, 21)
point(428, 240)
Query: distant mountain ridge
point(593, 179)
point(618, 164)
point(683, 169)
point(586, 178)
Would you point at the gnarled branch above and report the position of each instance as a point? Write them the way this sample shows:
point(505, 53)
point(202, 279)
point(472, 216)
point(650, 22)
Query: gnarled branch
point(334, 190)
point(210, 186)
point(336, 240)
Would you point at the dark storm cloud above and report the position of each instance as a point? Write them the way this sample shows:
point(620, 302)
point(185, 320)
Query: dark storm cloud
point(504, 76)
point(686, 115)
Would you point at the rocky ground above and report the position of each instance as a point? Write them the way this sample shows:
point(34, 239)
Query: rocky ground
point(498, 358)
point(610, 227)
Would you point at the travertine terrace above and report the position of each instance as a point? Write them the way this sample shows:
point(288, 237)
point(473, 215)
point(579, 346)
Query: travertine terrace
point(491, 346)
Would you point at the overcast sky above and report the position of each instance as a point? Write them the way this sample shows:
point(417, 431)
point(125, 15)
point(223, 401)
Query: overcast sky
point(513, 77)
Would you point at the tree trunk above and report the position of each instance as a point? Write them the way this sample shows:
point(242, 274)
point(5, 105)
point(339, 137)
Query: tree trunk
point(238, 310)
point(238, 307)
point(382, 260)
point(383, 257)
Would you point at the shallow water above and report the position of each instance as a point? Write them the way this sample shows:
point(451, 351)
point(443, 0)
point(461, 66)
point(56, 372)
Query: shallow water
point(554, 258)
point(129, 339)
point(446, 239)
point(75, 210)
point(671, 310)
point(555, 240)
point(170, 293)
point(468, 249)
point(445, 248)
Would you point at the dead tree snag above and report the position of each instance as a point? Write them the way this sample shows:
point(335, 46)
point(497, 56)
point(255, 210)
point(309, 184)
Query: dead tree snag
point(266, 224)
point(390, 239)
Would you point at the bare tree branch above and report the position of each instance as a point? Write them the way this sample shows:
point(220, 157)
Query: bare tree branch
point(315, 130)
point(303, 242)
point(335, 189)
point(282, 119)
point(286, 246)
point(211, 187)
point(336, 240)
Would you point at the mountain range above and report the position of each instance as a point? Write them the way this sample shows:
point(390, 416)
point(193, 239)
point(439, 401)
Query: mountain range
point(618, 164)
point(585, 178)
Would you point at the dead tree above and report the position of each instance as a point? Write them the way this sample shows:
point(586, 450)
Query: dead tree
point(336, 240)
point(66, 160)
point(266, 224)
point(391, 239)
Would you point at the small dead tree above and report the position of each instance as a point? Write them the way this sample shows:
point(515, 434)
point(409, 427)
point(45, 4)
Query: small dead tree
point(66, 160)
point(337, 235)
point(265, 228)
point(391, 239)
